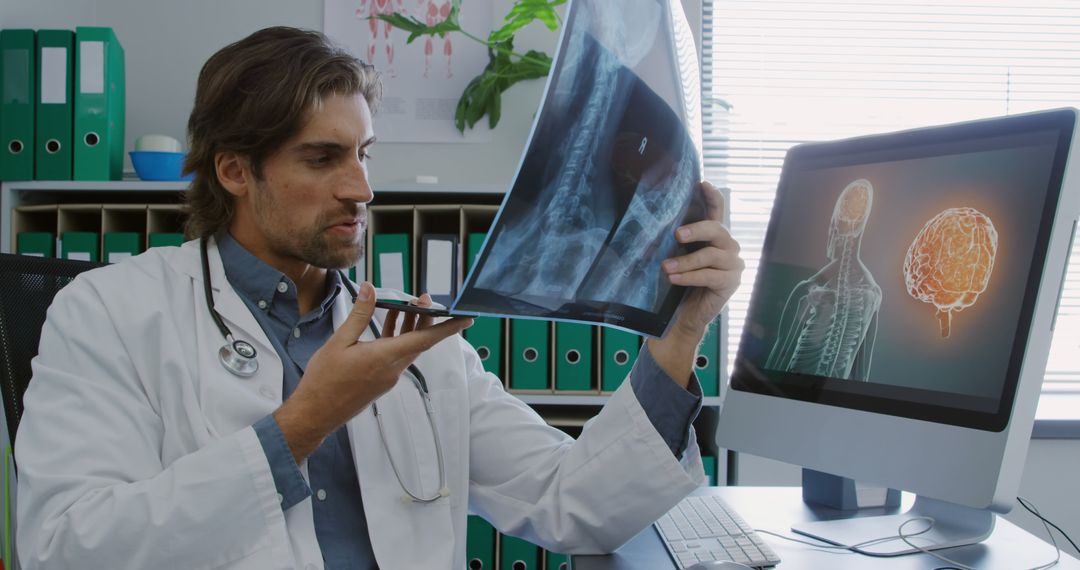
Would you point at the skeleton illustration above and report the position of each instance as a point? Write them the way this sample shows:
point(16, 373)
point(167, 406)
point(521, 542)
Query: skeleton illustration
point(830, 320)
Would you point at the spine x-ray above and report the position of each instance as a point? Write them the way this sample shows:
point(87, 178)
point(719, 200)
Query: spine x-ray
point(610, 171)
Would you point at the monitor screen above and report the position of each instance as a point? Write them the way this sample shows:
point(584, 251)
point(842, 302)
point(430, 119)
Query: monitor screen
point(899, 272)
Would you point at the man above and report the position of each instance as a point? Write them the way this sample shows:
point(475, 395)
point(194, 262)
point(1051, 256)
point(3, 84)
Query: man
point(139, 449)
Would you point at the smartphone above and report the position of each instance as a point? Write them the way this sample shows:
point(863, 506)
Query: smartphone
point(405, 307)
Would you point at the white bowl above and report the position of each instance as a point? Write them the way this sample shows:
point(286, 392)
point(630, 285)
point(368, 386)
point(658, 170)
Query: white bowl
point(157, 143)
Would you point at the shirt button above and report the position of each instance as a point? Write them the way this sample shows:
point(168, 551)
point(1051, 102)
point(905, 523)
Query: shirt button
point(263, 304)
point(321, 494)
point(280, 498)
point(296, 332)
point(282, 287)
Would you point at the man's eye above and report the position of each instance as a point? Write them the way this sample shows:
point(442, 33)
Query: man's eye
point(365, 156)
point(320, 160)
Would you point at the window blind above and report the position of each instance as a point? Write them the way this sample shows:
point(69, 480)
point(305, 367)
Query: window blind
point(776, 73)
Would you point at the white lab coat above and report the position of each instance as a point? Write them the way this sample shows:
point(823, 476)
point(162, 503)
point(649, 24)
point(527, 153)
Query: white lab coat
point(136, 449)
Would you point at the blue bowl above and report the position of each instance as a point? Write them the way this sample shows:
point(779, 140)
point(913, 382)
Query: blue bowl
point(152, 165)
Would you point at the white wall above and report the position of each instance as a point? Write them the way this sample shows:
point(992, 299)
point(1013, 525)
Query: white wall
point(1051, 482)
point(166, 43)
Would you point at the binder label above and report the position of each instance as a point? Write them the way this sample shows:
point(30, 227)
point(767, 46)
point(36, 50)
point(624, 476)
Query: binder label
point(17, 65)
point(54, 75)
point(439, 271)
point(92, 67)
point(391, 271)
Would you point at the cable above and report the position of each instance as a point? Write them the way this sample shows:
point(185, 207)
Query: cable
point(904, 537)
point(900, 535)
point(1031, 509)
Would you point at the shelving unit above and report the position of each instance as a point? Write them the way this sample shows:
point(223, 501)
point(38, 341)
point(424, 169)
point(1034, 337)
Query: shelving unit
point(408, 207)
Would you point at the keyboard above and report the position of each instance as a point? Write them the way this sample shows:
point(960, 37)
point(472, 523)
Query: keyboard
point(705, 528)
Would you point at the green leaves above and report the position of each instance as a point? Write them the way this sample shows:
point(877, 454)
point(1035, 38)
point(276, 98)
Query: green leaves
point(483, 95)
point(524, 13)
point(417, 28)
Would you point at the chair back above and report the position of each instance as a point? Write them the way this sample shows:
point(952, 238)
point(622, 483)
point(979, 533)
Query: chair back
point(27, 287)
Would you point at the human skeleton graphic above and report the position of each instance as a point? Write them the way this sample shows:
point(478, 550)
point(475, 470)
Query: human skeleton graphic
point(829, 322)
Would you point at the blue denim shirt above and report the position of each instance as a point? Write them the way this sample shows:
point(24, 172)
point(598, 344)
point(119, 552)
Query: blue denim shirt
point(340, 524)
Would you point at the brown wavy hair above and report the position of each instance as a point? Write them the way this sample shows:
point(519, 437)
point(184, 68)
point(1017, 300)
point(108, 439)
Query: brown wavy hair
point(252, 97)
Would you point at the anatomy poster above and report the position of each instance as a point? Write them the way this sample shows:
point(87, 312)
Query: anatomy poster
point(611, 170)
point(422, 81)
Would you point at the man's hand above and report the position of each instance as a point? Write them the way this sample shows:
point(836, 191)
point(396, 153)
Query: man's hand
point(712, 272)
point(347, 374)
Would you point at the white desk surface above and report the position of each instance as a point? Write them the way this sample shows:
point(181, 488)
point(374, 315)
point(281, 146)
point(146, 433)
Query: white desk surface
point(775, 508)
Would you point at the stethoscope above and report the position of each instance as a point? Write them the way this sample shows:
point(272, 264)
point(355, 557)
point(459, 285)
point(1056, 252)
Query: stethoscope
point(239, 358)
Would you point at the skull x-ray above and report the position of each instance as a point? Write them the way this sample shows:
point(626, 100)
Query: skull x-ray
point(611, 170)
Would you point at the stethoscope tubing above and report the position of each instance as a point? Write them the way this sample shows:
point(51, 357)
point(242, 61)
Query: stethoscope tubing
point(240, 358)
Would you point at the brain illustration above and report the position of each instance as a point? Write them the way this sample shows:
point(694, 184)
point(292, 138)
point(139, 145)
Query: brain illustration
point(949, 263)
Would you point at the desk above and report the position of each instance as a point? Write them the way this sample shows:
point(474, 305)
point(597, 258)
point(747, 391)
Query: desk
point(776, 508)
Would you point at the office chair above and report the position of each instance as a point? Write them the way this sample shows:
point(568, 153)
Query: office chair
point(27, 287)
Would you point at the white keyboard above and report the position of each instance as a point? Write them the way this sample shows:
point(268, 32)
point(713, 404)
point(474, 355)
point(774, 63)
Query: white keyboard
point(705, 528)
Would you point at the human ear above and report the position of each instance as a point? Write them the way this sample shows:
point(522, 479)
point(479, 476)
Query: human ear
point(233, 172)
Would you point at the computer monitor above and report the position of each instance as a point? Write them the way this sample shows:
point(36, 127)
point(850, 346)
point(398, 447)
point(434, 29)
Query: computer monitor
point(901, 319)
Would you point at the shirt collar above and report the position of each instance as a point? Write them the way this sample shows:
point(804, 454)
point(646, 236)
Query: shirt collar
point(252, 277)
point(257, 280)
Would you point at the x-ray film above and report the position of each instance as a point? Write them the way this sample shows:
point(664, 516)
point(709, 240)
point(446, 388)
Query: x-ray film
point(611, 170)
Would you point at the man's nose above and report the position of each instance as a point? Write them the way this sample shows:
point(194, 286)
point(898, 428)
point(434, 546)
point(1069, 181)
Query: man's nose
point(355, 185)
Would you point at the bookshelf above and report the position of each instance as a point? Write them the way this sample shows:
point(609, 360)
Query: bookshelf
point(399, 206)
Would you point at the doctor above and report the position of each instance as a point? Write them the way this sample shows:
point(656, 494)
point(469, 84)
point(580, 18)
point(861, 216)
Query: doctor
point(303, 441)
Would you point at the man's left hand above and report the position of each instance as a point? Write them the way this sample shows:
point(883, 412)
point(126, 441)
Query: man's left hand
point(712, 272)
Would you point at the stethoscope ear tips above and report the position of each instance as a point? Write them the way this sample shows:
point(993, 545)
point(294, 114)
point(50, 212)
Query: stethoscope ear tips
point(238, 357)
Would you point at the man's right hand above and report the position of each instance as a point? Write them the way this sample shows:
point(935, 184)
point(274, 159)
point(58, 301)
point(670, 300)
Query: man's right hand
point(346, 374)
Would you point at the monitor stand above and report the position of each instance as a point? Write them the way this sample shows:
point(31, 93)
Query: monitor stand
point(954, 525)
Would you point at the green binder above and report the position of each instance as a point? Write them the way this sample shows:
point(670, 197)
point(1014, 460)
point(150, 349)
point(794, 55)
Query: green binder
point(618, 350)
point(557, 561)
point(710, 468)
point(121, 245)
point(37, 244)
point(706, 364)
point(55, 77)
point(99, 105)
point(573, 357)
point(529, 355)
point(479, 544)
point(79, 245)
point(166, 239)
point(17, 95)
point(518, 554)
point(391, 261)
point(486, 334)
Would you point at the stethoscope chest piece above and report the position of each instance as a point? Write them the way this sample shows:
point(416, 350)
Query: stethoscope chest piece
point(238, 357)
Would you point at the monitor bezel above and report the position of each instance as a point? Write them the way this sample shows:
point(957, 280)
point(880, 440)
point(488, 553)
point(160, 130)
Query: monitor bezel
point(747, 377)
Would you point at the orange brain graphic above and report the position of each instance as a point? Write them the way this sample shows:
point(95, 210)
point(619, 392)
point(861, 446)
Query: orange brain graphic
point(950, 261)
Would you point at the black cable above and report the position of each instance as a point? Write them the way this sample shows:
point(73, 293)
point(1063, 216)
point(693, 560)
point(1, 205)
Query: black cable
point(1024, 503)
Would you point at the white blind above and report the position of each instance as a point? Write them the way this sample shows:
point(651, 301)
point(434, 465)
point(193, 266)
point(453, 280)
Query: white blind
point(777, 73)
